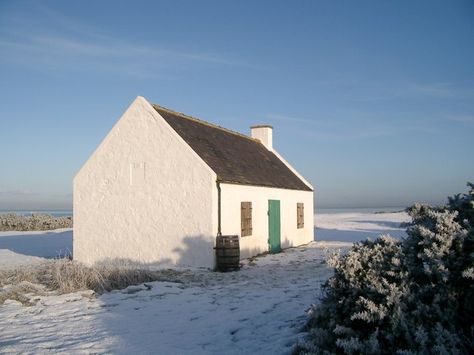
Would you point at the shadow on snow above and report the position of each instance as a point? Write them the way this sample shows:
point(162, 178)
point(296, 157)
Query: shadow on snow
point(46, 245)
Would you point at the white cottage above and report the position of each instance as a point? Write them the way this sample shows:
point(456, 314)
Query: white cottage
point(162, 185)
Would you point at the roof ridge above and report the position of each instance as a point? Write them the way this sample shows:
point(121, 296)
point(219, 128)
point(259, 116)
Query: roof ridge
point(198, 120)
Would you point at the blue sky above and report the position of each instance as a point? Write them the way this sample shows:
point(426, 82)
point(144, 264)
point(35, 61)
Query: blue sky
point(372, 101)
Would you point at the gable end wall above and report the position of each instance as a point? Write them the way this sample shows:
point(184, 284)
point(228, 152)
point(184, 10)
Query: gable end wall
point(145, 197)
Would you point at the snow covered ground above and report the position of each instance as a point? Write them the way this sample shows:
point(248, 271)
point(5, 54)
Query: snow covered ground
point(353, 227)
point(45, 244)
point(259, 309)
point(19, 248)
point(10, 259)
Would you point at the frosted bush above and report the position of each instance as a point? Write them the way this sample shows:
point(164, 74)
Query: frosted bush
point(410, 296)
point(15, 222)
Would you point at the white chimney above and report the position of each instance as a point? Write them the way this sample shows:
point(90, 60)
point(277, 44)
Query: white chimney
point(264, 133)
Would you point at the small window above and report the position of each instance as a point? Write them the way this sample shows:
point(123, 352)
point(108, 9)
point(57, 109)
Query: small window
point(246, 218)
point(300, 215)
point(137, 174)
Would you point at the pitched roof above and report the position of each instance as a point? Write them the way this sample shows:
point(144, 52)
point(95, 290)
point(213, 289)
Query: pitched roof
point(234, 157)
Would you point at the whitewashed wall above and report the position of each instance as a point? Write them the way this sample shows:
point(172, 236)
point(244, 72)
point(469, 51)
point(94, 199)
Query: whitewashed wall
point(233, 195)
point(145, 196)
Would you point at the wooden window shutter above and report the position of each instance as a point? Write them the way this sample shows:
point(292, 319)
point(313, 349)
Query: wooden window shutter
point(300, 215)
point(246, 218)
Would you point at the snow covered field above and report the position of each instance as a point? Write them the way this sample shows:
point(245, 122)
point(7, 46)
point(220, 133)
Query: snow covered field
point(353, 227)
point(259, 309)
point(18, 248)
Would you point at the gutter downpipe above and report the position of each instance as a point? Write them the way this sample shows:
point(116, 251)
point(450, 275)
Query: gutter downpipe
point(218, 183)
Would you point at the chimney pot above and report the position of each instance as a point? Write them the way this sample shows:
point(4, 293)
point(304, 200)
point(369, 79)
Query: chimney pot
point(264, 133)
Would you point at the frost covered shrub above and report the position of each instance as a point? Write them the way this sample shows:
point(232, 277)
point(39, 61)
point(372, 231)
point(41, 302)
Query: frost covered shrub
point(15, 222)
point(410, 296)
point(464, 205)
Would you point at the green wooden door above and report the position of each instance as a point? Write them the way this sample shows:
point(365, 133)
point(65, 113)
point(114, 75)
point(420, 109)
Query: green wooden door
point(274, 226)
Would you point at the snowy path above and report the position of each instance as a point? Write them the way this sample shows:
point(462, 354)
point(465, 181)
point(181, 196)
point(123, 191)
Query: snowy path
point(259, 309)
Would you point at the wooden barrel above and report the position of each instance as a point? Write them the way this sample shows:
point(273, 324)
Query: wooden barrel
point(227, 252)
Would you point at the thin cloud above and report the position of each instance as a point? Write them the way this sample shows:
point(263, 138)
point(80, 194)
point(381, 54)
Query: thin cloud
point(367, 91)
point(77, 47)
point(466, 120)
point(122, 49)
point(95, 34)
point(285, 118)
point(82, 46)
point(332, 129)
point(52, 46)
point(435, 90)
point(16, 193)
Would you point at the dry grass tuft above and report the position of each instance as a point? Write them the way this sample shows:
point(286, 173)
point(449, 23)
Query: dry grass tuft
point(21, 292)
point(65, 276)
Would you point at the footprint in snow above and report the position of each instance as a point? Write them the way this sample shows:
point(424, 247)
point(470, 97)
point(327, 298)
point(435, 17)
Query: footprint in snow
point(234, 331)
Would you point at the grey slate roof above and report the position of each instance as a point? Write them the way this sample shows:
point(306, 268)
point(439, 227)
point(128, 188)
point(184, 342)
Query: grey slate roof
point(234, 157)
